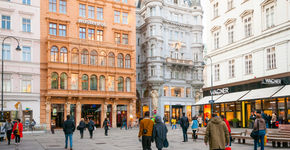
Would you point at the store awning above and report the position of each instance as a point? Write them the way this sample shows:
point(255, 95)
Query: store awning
point(285, 91)
point(261, 93)
point(231, 97)
point(205, 100)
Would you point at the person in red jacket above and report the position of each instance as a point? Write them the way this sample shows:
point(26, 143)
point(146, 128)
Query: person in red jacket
point(229, 128)
point(17, 131)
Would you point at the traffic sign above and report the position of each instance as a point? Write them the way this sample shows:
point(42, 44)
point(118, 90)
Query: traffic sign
point(154, 111)
point(211, 101)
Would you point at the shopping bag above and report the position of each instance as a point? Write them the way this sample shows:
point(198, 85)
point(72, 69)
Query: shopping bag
point(265, 140)
point(228, 148)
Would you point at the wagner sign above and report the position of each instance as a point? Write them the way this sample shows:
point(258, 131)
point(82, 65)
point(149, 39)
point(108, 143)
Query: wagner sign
point(102, 24)
point(272, 81)
point(220, 91)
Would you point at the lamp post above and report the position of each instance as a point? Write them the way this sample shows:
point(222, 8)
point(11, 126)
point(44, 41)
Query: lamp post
point(211, 84)
point(2, 73)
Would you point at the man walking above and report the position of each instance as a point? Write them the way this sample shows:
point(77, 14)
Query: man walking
point(8, 128)
point(184, 123)
point(91, 127)
point(68, 129)
point(145, 130)
point(216, 133)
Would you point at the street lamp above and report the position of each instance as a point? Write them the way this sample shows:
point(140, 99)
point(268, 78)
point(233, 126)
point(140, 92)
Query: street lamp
point(211, 84)
point(2, 73)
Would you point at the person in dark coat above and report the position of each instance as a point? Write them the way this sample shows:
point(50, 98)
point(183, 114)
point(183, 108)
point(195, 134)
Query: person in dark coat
point(8, 128)
point(159, 133)
point(106, 125)
point(68, 129)
point(82, 127)
point(91, 127)
point(184, 123)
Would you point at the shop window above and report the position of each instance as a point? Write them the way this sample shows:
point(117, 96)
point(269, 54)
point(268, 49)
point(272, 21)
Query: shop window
point(120, 84)
point(111, 83)
point(85, 82)
point(230, 107)
point(145, 109)
point(111, 59)
point(258, 105)
point(93, 82)
point(216, 109)
point(188, 113)
point(54, 80)
point(94, 58)
point(166, 113)
point(102, 83)
point(166, 91)
point(102, 59)
point(269, 106)
point(63, 81)
point(281, 108)
point(74, 81)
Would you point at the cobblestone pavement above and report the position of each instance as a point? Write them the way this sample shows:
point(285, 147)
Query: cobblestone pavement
point(117, 140)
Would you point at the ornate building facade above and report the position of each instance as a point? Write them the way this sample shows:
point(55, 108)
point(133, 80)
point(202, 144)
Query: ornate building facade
point(87, 60)
point(169, 56)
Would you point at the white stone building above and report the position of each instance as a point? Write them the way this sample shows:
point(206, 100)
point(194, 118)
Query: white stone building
point(169, 56)
point(20, 18)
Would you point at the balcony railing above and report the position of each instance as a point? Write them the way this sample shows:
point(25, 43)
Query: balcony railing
point(180, 61)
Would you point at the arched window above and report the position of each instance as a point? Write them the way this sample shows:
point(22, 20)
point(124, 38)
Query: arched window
point(75, 56)
point(128, 61)
point(128, 85)
point(54, 80)
point(94, 82)
point(63, 81)
point(63, 55)
point(85, 56)
point(54, 54)
point(94, 58)
point(120, 84)
point(120, 61)
point(111, 59)
point(102, 59)
point(102, 83)
point(85, 82)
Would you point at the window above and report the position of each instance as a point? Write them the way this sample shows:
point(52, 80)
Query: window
point(63, 55)
point(94, 57)
point(26, 2)
point(54, 54)
point(271, 58)
point(85, 82)
point(26, 86)
point(74, 81)
point(7, 85)
point(62, 30)
point(91, 12)
point(152, 11)
point(26, 25)
point(63, 81)
point(6, 22)
point(215, 10)
point(166, 91)
point(111, 59)
point(230, 4)
point(216, 40)
point(6, 52)
point(52, 5)
point(91, 34)
point(124, 1)
point(117, 38)
point(125, 39)
point(125, 18)
point(128, 61)
point(100, 13)
point(217, 72)
point(187, 92)
point(100, 35)
point(248, 64)
point(177, 92)
point(85, 57)
point(128, 85)
point(116, 17)
point(52, 28)
point(75, 56)
point(102, 82)
point(82, 10)
point(26, 53)
point(230, 34)
point(102, 59)
point(54, 80)
point(138, 77)
point(120, 84)
point(62, 6)
point(231, 68)
point(111, 83)
point(270, 17)
point(248, 26)
point(152, 71)
point(94, 82)
point(120, 61)
point(175, 1)
point(152, 30)
point(82, 33)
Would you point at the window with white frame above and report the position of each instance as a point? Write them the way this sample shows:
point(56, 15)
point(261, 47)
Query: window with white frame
point(26, 53)
point(152, 11)
point(217, 72)
point(26, 25)
point(248, 64)
point(230, 34)
point(91, 12)
point(52, 5)
point(152, 71)
point(194, 20)
point(7, 83)
point(26, 86)
point(271, 58)
point(6, 52)
point(216, 39)
point(125, 18)
point(100, 13)
point(230, 4)
point(270, 17)
point(82, 10)
point(116, 16)
point(248, 26)
point(215, 10)
point(52, 28)
point(152, 30)
point(232, 68)
point(6, 22)
point(26, 2)
point(62, 6)
point(62, 30)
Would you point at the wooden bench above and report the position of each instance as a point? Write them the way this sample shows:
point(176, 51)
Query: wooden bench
point(242, 136)
point(200, 131)
point(282, 135)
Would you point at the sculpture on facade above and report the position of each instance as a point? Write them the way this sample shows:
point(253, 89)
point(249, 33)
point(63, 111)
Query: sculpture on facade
point(154, 96)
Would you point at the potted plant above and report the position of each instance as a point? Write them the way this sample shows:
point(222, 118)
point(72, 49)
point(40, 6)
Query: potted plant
point(250, 123)
point(235, 122)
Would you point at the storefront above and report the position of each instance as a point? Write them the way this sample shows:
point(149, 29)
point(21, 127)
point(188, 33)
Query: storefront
point(92, 111)
point(121, 113)
point(57, 114)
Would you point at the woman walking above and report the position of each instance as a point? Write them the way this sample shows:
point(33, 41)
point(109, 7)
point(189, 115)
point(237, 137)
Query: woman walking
point(106, 125)
point(8, 127)
point(17, 131)
point(260, 126)
point(194, 128)
point(81, 127)
point(159, 133)
point(91, 127)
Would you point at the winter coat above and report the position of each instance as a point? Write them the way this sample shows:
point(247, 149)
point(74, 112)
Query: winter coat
point(262, 124)
point(159, 133)
point(194, 124)
point(228, 125)
point(20, 128)
point(8, 126)
point(106, 125)
point(68, 127)
point(146, 124)
point(91, 125)
point(82, 125)
point(184, 123)
point(217, 134)
point(253, 117)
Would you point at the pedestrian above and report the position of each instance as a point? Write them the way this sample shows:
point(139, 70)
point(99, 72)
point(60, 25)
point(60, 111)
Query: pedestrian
point(184, 123)
point(194, 128)
point(82, 127)
point(260, 126)
point(68, 129)
point(17, 131)
point(229, 128)
point(32, 124)
point(217, 133)
point(145, 130)
point(106, 125)
point(164, 120)
point(124, 123)
point(273, 120)
point(52, 126)
point(252, 118)
point(159, 133)
point(8, 128)
point(199, 119)
point(91, 127)
point(173, 122)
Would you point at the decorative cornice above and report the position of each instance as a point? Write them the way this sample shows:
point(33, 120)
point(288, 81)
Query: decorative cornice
point(246, 12)
point(215, 28)
point(266, 2)
point(230, 20)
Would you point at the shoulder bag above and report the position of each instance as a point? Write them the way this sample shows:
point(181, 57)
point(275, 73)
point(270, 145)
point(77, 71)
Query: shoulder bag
point(255, 133)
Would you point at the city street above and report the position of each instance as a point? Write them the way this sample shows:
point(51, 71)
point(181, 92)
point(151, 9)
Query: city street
point(117, 140)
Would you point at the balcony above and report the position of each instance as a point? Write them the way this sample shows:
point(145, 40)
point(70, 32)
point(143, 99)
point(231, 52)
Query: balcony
point(179, 62)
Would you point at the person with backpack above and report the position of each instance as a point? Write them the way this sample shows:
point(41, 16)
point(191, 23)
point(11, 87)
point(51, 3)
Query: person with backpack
point(159, 134)
point(68, 129)
point(17, 131)
point(91, 127)
point(8, 128)
point(184, 123)
point(194, 128)
point(106, 125)
point(82, 127)
point(260, 126)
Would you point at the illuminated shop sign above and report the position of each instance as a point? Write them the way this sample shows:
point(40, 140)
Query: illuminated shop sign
point(272, 81)
point(90, 22)
point(220, 91)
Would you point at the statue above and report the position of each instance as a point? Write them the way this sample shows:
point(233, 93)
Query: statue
point(197, 96)
point(154, 96)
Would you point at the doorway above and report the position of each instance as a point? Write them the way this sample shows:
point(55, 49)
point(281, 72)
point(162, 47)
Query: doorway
point(121, 113)
point(57, 114)
point(92, 111)
point(177, 112)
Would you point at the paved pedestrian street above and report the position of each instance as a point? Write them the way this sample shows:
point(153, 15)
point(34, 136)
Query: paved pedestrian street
point(117, 140)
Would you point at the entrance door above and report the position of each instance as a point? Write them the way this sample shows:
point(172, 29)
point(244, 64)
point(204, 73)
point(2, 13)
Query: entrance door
point(177, 112)
point(92, 111)
point(57, 114)
point(121, 113)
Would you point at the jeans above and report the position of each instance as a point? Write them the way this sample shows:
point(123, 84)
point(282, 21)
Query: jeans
point(70, 140)
point(106, 131)
point(146, 142)
point(124, 125)
point(194, 136)
point(184, 131)
point(91, 133)
point(17, 138)
point(261, 137)
point(8, 134)
point(174, 126)
point(82, 133)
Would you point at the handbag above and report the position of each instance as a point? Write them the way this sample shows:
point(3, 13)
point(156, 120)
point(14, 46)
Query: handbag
point(165, 143)
point(255, 133)
point(228, 148)
point(78, 127)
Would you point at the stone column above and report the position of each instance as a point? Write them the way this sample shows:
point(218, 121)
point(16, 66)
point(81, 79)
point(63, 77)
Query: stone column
point(47, 112)
point(78, 112)
point(105, 107)
point(114, 114)
point(67, 109)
